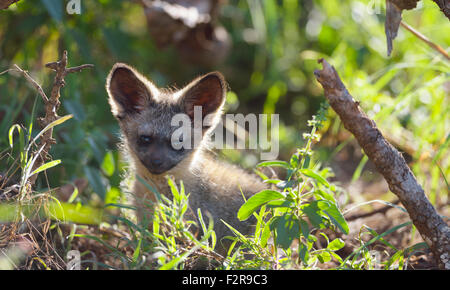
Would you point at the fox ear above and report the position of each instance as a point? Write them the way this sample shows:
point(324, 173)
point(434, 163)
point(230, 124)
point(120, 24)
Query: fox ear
point(127, 90)
point(207, 92)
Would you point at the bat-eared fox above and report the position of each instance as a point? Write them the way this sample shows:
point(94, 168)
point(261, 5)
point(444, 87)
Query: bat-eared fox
point(145, 114)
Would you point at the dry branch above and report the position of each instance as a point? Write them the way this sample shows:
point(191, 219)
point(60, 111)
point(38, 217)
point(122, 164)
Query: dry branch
point(32, 82)
point(51, 104)
point(425, 39)
point(390, 163)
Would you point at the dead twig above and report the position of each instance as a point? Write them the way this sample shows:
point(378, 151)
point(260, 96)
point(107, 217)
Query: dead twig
point(51, 104)
point(32, 82)
point(426, 40)
point(383, 210)
point(390, 163)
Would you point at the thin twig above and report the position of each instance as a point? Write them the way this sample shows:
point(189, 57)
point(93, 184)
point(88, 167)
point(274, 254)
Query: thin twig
point(31, 81)
point(79, 68)
point(367, 214)
point(426, 40)
point(51, 104)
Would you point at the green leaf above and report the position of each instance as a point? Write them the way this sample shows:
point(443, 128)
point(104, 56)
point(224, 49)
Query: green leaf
point(76, 213)
point(306, 162)
point(235, 232)
point(137, 251)
point(74, 194)
point(112, 196)
point(304, 228)
point(46, 166)
point(373, 240)
point(324, 257)
point(11, 133)
point(48, 127)
point(174, 189)
point(360, 167)
point(280, 203)
point(325, 195)
point(202, 222)
point(314, 214)
point(288, 229)
point(315, 175)
point(337, 257)
point(294, 161)
point(374, 233)
point(265, 235)
point(336, 217)
point(23, 152)
point(287, 184)
point(260, 174)
point(108, 165)
point(174, 263)
point(336, 244)
point(274, 163)
point(257, 200)
point(33, 115)
point(272, 181)
point(303, 253)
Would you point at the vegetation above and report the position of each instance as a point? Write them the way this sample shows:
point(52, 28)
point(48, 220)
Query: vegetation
point(320, 184)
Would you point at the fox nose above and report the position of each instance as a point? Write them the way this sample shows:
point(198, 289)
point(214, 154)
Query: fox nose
point(157, 162)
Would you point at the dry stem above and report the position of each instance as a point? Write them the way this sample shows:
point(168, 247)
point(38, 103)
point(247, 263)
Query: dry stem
point(51, 104)
point(426, 40)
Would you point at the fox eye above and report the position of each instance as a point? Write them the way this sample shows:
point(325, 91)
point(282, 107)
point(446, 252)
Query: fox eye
point(145, 139)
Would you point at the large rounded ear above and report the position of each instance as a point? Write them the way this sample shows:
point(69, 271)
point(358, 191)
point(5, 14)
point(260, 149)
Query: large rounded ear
point(208, 92)
point(127, 90)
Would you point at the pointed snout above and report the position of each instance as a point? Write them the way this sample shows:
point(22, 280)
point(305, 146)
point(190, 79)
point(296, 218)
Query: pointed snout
point(156, 159)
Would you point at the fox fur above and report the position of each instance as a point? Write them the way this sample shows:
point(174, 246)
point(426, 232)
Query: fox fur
point(144, 114)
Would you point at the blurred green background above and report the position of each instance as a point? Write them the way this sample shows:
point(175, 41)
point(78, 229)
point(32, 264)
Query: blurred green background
point(275, 47)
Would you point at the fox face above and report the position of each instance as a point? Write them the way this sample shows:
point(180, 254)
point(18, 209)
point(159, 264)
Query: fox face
point(145, 114)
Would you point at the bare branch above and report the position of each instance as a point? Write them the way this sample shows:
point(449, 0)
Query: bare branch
point(426, 40)
point(31, 81)
point(390, 163)
point(78, 68)
point(52, 105)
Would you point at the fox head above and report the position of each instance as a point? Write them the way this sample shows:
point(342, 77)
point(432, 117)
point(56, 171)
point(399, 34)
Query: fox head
point(145, 114)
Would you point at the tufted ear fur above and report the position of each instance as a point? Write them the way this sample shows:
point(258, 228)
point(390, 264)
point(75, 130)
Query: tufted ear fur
point(128, 91)
point(208, 92)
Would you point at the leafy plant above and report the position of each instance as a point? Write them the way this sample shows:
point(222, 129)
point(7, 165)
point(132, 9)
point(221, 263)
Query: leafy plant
point(162, 239)
point(300, 209)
